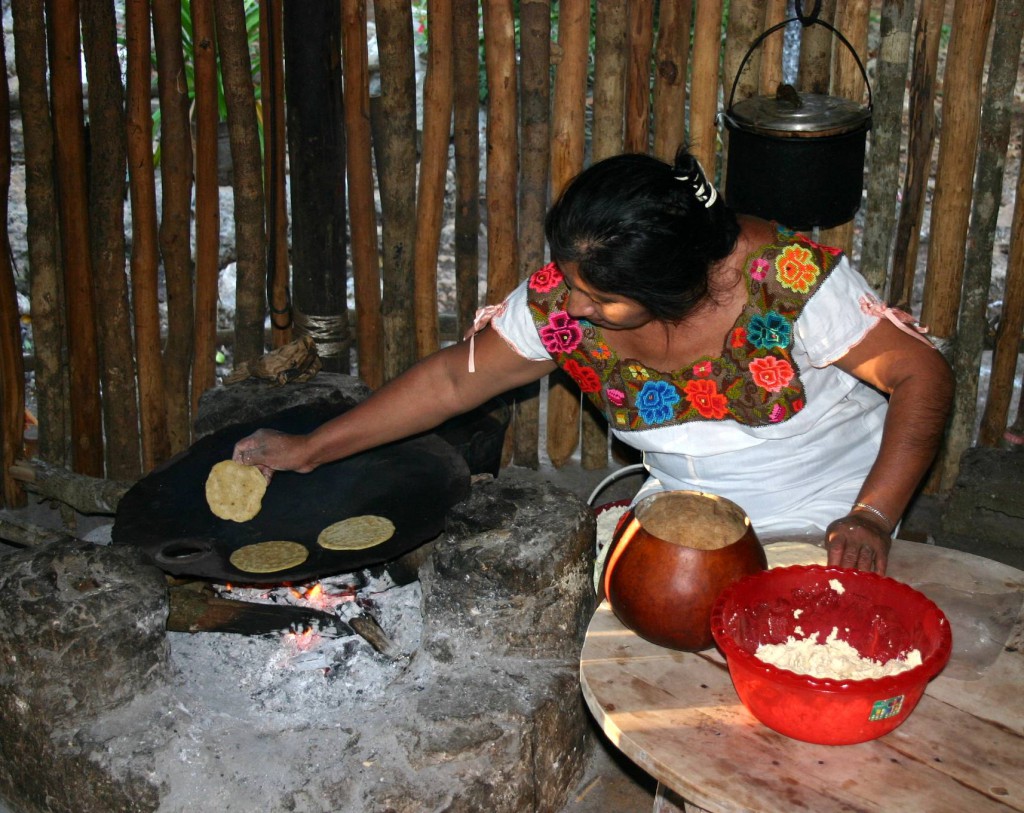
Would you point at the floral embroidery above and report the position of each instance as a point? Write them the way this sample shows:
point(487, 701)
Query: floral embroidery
point(755, 381)
point(795, 268)
point(546, 279)
point(769, 330)
point(562, 334)
point(656, 400)
point(588, 380)
point(771, 373)
point(706, 399)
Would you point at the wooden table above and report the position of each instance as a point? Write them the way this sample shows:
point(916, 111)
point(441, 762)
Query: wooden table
point(677, 716)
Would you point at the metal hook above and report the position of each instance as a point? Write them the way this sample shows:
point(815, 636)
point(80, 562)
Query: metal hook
point(807, 19)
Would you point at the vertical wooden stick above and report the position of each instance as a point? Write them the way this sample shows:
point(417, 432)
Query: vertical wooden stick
point(638, 77)
point(438, 98)
point(816, 51)
point(204, 52)
point(611, 54)
point(156, 445)
point(707, 45)
point(83, 359)
point(951, 205)
point(772, 47)
point(362, 210)
point(466, 36)
point(671, 56)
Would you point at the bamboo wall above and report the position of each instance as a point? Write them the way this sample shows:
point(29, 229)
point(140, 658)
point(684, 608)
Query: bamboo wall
point(116, 396)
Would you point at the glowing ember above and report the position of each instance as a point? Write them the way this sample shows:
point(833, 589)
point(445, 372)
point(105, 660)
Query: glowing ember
point(302, 641)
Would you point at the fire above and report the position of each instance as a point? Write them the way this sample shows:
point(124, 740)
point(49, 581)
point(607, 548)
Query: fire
point(302, 641)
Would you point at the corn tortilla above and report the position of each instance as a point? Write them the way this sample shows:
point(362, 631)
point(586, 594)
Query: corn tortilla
point(234, 491)
point(785, 554)
point(269, 557)
point(356, 533)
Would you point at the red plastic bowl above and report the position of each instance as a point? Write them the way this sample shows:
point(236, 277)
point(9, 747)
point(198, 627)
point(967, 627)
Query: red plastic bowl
point(880, 617)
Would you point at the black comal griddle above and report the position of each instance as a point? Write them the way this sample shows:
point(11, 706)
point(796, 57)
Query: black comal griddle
point(413, 483)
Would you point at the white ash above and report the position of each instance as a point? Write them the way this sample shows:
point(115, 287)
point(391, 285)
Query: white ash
point(607, 519)
point(279, 678)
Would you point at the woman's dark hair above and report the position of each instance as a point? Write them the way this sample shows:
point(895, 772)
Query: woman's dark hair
point(640, 228)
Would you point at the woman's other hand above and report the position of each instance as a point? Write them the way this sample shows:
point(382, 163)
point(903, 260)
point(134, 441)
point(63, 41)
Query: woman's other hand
point(270, 451)
point(859, 541)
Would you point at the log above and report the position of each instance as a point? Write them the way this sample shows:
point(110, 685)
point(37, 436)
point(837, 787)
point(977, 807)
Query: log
point(534, 175)
point(394, 141)
point(772, 47)
point(1004, 357)
point(144, 264)
point(204, 54)
point(362, 210)
point(638, 76)
point(920, 144)
point(671, 56)
point(563, 426)
point(988, 194)
point(247, 180)
point(12, 368)
point(107, 188)
point(848, 83)
point(707, 45)
point(466, 37)
point(73, 208)
point(951, 204)
point(502, 150)
point(886, 132)
point(274, 169)
point(85, 494)
point(611, 53)
point(15, 531)
point(47, 288)
point(815, 74)
point(438, 100)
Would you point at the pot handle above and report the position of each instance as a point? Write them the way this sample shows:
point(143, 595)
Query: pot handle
point(811, 19)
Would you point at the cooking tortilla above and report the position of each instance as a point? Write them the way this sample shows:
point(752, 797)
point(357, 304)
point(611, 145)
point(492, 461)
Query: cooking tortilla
point(269, 557)
point(785, 554)
point(234, 491)
point(356, 533)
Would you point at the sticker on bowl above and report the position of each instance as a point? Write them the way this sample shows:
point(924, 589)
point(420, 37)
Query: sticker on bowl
point(884, 709)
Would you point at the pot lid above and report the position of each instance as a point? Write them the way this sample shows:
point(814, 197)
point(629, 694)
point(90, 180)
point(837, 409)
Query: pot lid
point(798, 113)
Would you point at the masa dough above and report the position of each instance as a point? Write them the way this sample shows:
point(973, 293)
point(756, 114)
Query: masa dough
point(834, 659)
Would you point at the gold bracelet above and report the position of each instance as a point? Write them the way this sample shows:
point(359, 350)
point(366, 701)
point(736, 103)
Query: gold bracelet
point(889, 523)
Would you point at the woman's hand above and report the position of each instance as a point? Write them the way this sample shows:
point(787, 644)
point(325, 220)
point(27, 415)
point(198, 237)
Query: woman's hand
point(860, 541)
point(270, 451)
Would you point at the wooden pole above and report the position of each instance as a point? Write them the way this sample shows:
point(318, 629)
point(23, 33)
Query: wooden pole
point(563, 430)
point(247, 183)
point(274, 169)
point(204, 52)
point(12, 369)
point(886, 134)
point(638, 77)
point(502, 150)
point(47, 288)
point(816, 51)
point(535, 176)
point(988, 194)
point(951, 204)
point(362, 210)
point(772, 47)
point(746, 21)
point(394, 140)
point(611, 55)
point(176, 217)
point(1007, 349)
point(107, 189)
point(438, 99)
point(671, 56)
point(156, 445)
point(848, 83)
point(920, 146)
point(466, 36)
point(707, 45)
point(69, 139)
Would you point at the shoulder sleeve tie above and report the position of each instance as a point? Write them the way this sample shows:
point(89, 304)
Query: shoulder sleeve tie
point(480, 321)
point(903, 320)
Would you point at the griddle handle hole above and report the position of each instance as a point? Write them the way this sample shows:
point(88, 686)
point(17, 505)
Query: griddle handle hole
point(182, 552)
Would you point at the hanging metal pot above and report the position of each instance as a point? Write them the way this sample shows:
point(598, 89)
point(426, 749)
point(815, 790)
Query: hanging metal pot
point(797, 158)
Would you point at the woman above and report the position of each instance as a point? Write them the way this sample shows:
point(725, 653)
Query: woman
point(742, 359)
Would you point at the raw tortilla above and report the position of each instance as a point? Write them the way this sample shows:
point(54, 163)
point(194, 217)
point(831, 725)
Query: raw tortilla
point(269, 557)
point(356, 533)
point(784, 554)
point(234, 491)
